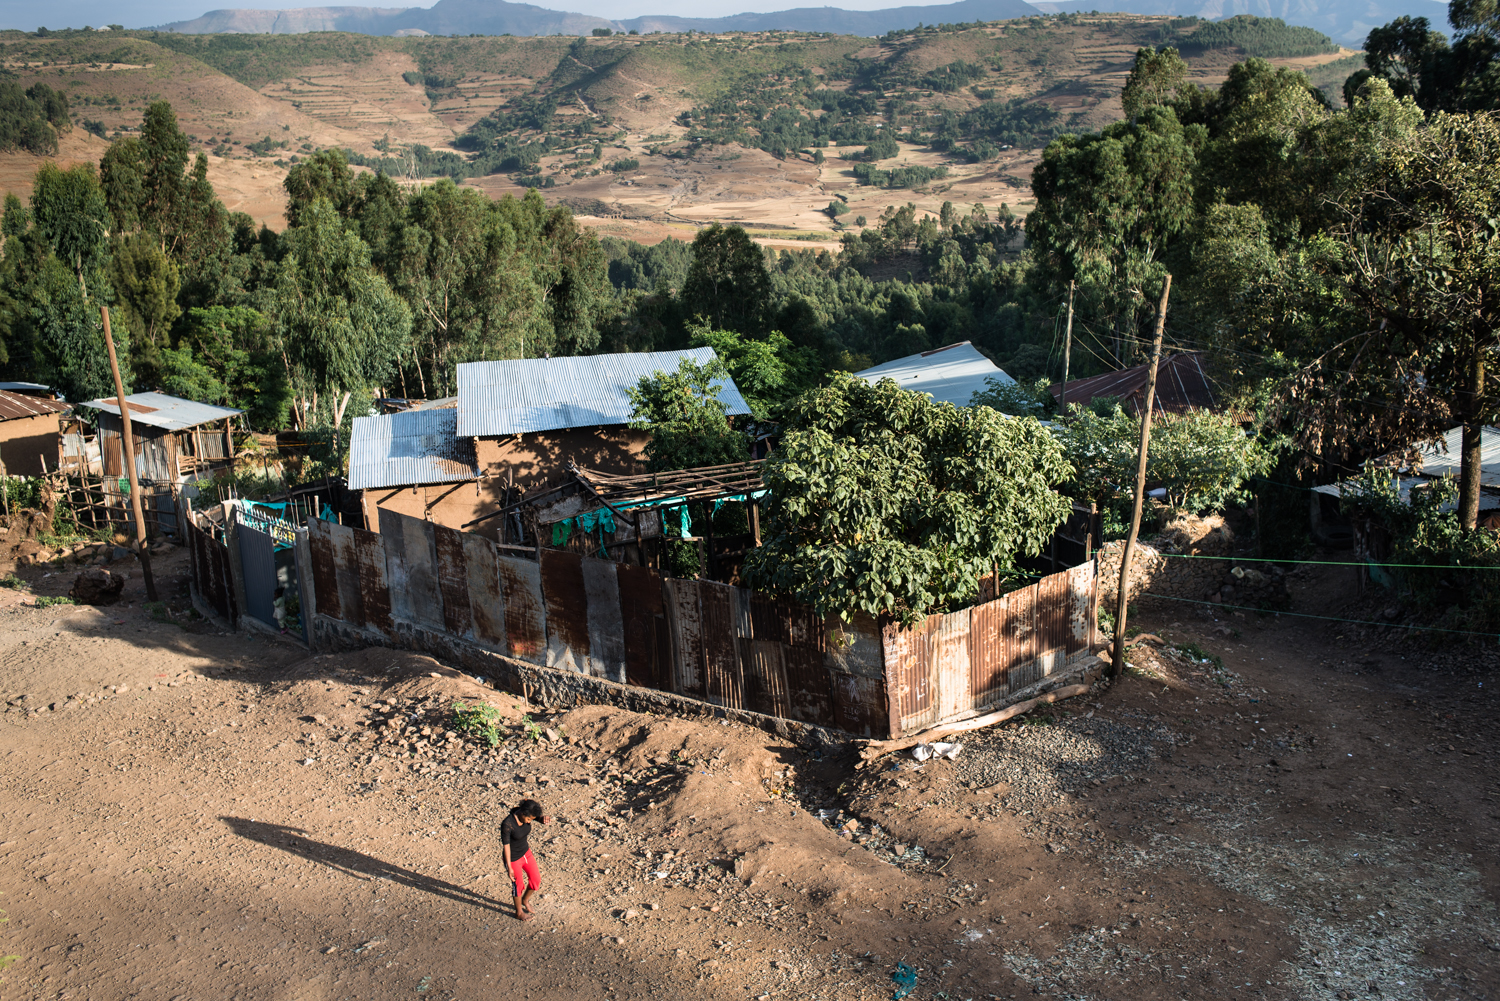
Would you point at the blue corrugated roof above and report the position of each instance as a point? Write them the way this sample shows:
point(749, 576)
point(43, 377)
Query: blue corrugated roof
point(162, 411)
point(414, 446)
point(951, 374)
point(545, 394)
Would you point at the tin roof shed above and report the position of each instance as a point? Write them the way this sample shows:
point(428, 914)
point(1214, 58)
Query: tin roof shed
point(951, 374)
point(14, 405)
point(411, 447)
point(548, 394)
point(1182, 384)
point(170, 413)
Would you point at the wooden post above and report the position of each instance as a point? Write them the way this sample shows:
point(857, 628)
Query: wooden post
point(1117, 655)
point(127, 458)
point(1062, 403)
point(755, 521)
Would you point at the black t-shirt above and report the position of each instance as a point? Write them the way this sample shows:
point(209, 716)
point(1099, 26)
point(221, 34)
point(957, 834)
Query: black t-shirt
point(515, 834)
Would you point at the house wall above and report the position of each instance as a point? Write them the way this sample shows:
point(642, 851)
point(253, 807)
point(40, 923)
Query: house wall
point(529, 461)
point(23, 442)
point(155, 450)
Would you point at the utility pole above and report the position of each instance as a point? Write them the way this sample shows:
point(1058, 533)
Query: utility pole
point(1117, 655)
point(1062, 404)
point(127, 459)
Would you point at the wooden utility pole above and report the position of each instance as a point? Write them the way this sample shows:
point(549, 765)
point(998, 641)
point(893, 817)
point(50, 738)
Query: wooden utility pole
point(127, 459)
point(1117, 655)
point(1062, 403)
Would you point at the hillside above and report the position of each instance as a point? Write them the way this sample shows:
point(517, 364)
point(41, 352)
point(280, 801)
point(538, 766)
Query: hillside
point(1347, 22)
point(651, 135)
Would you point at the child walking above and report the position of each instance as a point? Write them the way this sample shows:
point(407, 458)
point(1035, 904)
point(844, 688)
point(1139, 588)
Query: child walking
point(515, 832)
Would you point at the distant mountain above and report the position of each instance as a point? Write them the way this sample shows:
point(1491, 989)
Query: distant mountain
point(1347, 22)
point(839, 21)
point(446, 17)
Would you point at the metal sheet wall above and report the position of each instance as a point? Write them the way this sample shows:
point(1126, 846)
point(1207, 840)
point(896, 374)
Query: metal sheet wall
point(711, 641)
point(209, 563)
point(963, 663)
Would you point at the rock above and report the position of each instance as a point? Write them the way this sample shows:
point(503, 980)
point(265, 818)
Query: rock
point(653, 906)
point(630, 913)
point(552, 735)
point(618, 940)
point(97, 587)
point(330, 950)
point(119, 553)
point(1056, 848)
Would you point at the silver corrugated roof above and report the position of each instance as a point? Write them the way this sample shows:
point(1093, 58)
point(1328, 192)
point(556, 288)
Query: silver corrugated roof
point(162, 411)
point(545, 394)
point(950, 374)
point(414, 446)
point(1446, 459)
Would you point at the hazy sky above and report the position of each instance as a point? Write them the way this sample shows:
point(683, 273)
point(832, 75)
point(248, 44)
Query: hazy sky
point(145, 13)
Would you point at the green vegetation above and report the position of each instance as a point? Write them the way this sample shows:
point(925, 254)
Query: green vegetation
point(31, 119)
point(477, 721)
point(885, 503)
point(1264, 37)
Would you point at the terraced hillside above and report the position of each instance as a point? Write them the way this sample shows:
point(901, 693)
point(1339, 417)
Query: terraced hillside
point(650, 133)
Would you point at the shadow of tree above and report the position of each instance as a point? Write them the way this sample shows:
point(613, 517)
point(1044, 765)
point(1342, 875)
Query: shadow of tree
point(353, 863)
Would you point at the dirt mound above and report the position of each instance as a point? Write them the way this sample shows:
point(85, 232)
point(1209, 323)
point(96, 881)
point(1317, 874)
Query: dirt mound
point(1208, 535)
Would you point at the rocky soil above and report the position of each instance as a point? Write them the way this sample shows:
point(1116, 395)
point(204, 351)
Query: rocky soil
point(1257, 809)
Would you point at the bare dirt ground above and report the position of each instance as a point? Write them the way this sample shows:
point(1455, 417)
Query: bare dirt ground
point(186, 814)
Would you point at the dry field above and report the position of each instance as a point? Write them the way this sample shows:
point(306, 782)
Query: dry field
point(1077, 70)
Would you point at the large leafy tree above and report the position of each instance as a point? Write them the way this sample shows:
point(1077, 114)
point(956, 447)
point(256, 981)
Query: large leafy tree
point(340, 328)
point(728, 283)
point(1418, 62)
point(885, 502)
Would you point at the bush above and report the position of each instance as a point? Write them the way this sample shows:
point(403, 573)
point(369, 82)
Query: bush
point(623, 166)
point(478, 722)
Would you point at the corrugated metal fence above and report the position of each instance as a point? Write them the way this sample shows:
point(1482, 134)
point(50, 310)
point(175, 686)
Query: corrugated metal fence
point(416, 581)
point(208, 559)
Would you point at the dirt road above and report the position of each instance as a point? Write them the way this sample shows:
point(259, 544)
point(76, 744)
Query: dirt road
point(191, 815)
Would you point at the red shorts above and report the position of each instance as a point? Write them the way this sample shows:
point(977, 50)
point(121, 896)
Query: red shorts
point(524, 871)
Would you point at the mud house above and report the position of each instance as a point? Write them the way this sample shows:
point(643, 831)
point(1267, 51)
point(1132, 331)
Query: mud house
point(951, 374)
point(513, 429)
point(30, 433)
point(175, 440)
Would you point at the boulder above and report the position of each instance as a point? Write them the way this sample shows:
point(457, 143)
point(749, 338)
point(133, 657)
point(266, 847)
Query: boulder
point(97, 586)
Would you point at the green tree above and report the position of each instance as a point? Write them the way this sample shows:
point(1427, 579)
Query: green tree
point(728, 283)
point(687, 420)
point(325, 175)
point(236, 346)
point(340, 328)
point(1157, 78)
point(887, 503)
point(147, 282)
point(768, 371)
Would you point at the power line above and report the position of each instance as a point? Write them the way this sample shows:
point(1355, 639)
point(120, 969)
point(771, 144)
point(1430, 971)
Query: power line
point(1324, 618)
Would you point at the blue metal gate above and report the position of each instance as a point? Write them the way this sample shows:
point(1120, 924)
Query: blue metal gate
point(258, 560)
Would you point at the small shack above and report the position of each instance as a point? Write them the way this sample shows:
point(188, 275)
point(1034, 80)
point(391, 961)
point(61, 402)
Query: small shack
point(1182, 385)
point(951, 374)
point(513, 430)
point(176, 440)
point(30, 434)
point(412, 461)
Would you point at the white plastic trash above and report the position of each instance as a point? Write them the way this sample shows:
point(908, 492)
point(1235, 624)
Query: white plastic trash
point(938, 749)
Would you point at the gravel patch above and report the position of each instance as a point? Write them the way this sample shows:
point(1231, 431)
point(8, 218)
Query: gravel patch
point(1043, 761)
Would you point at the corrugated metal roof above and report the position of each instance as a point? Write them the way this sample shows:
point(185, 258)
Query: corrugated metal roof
point(1182, 384)
point(159, 410)
point(951, 374)
point(14, 405)
point(414, 446)
point(1445, 459)
point(545, 394)
point(1487, 501)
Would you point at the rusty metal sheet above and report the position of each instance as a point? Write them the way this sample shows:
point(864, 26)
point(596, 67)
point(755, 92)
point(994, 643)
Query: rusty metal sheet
point(605, 621)
point(453, 580)
point(1052, 622)
point(722, 681)
point(374, 585)
point(325, 574)
point(809, 688)
point(1021, 638)
point(854, 646)
point(802, 627)
point(482, 582)
point(567, 611)
point(525, 611)
point(686, 624)
point(765, 677)
point(952, 664)
point(648, 656)
point(1081, 608)
point(859, 705)
point(347, 573)
point(413, 570)
point(911, 673)
point(987, 670)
